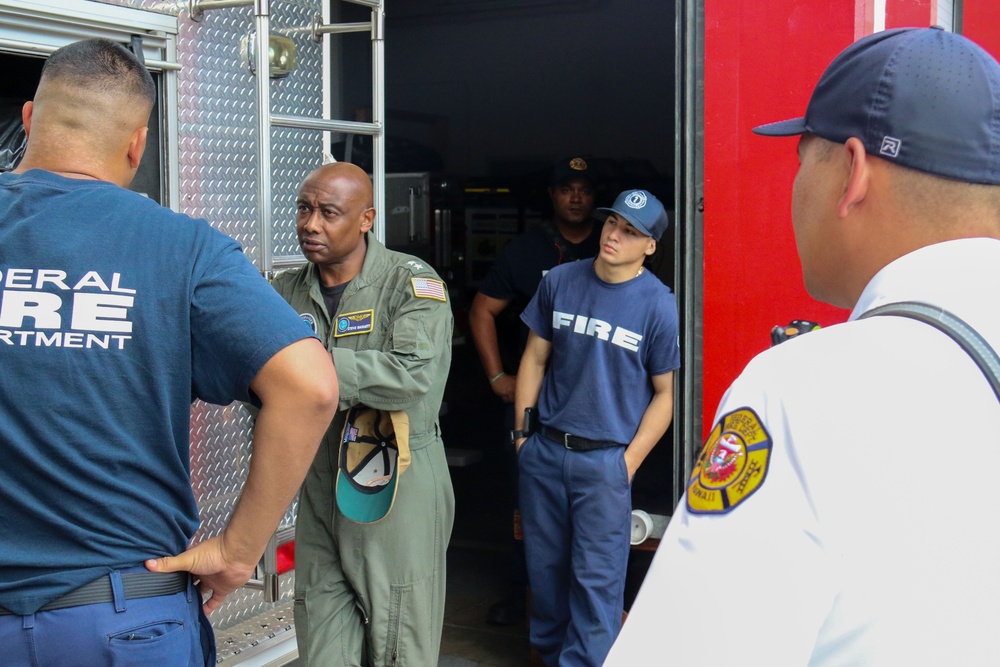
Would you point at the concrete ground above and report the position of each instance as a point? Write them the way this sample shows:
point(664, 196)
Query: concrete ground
point(476, 579)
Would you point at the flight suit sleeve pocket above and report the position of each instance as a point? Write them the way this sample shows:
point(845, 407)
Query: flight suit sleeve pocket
point(409, 337)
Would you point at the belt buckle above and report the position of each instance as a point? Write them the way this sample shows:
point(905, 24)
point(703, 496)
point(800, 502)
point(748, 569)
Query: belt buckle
point(566, 437)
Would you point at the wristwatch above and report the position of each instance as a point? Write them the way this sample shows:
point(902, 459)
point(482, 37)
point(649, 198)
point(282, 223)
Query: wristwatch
point(528, 426)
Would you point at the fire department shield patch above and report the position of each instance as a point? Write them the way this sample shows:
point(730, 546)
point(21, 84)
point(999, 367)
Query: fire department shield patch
point(732, 464)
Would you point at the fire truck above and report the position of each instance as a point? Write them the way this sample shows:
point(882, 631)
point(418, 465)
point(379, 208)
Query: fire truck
point(248, 103)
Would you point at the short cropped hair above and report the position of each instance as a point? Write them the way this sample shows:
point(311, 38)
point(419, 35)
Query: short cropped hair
point(923, 191)
point(104, 65)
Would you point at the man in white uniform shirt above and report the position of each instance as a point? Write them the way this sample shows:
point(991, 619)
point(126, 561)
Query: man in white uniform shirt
point(843, 510)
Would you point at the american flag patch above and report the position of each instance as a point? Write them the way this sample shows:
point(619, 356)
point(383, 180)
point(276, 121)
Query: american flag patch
point(426, 288)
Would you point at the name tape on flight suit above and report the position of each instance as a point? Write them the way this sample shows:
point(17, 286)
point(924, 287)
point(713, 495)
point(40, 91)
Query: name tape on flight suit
point(732, 464)
point(352, 324)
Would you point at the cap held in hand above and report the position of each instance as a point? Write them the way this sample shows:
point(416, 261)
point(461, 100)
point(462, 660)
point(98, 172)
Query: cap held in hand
point(374, 452)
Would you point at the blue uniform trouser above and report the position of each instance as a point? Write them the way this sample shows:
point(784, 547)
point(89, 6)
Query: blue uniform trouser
point(575, 511)
point(165, 631)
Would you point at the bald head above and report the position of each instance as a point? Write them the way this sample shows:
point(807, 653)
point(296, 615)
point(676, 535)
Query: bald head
point(333, 217)
point(93, 99)
point(350, 179)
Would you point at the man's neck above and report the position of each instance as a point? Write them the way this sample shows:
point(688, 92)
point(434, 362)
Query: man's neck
point(617, 273)
point(67, 173)
point(69, 161)
point(331, 275)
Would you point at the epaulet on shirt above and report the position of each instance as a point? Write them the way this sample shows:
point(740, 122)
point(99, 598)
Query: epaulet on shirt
point(423, 287)
point(732, 464)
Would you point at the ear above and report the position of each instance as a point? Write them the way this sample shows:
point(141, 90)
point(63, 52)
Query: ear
point(137, 146)
point(651, 248)
point(26, 111)
point(858, 178)
point(368, 221)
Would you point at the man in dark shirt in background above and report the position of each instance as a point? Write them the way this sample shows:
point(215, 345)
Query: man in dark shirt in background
point(570, 235)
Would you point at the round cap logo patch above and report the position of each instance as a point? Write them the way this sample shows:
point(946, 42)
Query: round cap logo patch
point(578, 164)
point(636, 200)
point(732, 464)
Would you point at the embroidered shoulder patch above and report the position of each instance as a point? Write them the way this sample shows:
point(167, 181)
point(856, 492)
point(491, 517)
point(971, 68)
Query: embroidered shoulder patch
point(428, 288)
point(352, 324)
point(732, 465)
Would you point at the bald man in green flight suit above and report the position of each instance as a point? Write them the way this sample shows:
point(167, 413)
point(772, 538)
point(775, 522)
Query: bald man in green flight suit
point(371, 592)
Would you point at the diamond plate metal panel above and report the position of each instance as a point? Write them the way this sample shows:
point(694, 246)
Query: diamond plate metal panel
point(245, 639)
point(217, 111)
point(218, 115)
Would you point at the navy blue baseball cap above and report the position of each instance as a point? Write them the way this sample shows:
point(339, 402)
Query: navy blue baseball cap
point(641, 209)
point(920, 97)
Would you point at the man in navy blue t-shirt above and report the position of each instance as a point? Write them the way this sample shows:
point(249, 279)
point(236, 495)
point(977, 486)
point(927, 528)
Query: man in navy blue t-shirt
point(115, 314)
point(598, 369)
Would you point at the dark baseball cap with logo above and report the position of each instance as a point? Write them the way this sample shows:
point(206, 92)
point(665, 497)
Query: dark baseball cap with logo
point(573, 168)
point(923, 98)
point(641, 209)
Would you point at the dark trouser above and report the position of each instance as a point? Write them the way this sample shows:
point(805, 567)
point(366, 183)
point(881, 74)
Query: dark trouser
point(518, 569)
point(576, 512)
point(165, 631)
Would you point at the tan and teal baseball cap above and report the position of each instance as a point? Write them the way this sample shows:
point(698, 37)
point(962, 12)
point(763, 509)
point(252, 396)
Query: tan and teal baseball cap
point(374, 452)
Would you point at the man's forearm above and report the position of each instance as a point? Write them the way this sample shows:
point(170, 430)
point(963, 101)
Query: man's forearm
point(529, 376)
point(286, 437)
point(298, 391)
point(483, 325)
point(654, 423)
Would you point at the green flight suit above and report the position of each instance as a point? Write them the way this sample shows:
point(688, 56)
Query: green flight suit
point(373, 594)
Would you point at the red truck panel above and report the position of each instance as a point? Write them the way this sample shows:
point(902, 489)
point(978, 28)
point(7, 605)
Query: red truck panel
point(910, 13)
point(981, 24)
point(761, 62)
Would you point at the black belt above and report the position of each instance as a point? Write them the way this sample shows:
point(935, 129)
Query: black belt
point(577, 442)
point(137, 585)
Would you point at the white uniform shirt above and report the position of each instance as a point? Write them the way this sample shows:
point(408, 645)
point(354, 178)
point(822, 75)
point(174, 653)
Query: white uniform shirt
point(869, 533)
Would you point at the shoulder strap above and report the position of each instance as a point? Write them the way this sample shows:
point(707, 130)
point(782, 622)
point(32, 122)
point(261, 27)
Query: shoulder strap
point(556, 238)
point(566, 252)
point(971, 341)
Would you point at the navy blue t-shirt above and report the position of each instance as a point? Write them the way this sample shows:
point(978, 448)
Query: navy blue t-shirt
point(516, 273)
point(608, 341)
point(115, 314)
